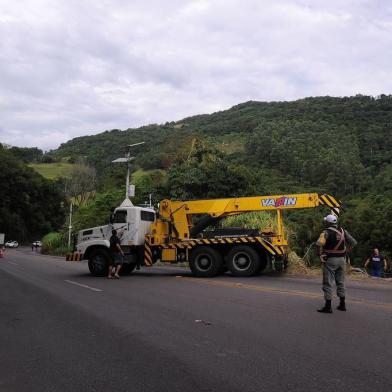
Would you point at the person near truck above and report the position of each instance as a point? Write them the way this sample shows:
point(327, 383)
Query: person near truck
point(333, 244)
point(378, 263)
point(116, 261)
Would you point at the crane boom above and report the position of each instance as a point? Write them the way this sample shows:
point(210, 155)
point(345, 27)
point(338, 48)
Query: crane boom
point(179, 213)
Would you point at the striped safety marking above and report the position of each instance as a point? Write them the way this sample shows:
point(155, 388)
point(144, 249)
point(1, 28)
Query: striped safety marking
point(147, 254)
point(274, 250)
point(331, 202)
point(75, 256)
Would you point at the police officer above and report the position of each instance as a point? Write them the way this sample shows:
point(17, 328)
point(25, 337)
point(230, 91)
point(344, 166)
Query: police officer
point(333, 244)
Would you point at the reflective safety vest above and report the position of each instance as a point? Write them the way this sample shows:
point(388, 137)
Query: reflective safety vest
point(336, 242)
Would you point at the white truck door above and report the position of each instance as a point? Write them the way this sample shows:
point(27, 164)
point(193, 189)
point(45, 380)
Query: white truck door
point(131, 237)
point(120, 224)
point(146, 218)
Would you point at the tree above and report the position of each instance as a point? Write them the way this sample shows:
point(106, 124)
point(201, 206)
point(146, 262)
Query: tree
point(207, 174)
point(30, 205)
point(27, 154)
point(81, 184)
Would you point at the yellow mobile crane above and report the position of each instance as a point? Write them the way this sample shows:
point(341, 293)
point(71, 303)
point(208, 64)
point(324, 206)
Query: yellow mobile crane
point(175, 237)
point(178, 234)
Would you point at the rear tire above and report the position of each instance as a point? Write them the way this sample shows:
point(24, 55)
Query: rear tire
point(265, 263)
point(280, 265)
point(127, 269)
point(205, 262)
point(243, 260)
point(98, 262)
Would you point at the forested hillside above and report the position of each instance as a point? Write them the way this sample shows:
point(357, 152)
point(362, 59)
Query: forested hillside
point(339, 145)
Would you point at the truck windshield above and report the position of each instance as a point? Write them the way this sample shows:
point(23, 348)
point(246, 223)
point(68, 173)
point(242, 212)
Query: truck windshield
point(120, 217)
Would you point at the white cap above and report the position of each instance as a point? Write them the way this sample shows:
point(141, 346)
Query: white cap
point(331, 219)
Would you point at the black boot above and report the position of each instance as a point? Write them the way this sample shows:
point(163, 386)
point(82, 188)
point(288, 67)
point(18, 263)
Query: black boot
point(342, 305)
point(327, 307)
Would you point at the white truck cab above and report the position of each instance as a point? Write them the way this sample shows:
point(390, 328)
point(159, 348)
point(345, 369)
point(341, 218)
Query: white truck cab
point(132, 224)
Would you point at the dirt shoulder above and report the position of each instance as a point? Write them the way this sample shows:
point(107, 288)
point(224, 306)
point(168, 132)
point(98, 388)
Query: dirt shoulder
point(297, 267)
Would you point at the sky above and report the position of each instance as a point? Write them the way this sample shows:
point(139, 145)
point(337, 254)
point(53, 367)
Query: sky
point(73, 68)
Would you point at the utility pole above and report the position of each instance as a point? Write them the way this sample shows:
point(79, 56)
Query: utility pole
point(70, 224)
point(127, 159)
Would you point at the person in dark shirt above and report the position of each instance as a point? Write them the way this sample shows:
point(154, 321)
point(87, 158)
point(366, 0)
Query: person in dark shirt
point(117, 256)
point(378, 263)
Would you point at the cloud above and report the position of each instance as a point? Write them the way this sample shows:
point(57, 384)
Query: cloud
point(80, 67)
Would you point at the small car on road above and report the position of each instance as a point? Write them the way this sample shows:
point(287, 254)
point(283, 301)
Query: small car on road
point(11, 244)
point(37, 244)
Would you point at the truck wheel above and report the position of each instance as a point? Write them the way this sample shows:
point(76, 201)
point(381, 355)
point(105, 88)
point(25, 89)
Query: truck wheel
point(205, 262)
point(243, 260)
point(98, 262)
point(127, 269)
point(280, 265)
point(265, 262)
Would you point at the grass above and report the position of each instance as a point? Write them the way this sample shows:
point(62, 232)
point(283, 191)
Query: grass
point(251, 220)
point(53, 171)
point(298, 266)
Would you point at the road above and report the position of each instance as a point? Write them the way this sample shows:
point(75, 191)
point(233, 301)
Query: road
point(162, 330)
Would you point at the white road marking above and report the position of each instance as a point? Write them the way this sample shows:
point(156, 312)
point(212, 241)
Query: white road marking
point(82, 285)
point(11, 262)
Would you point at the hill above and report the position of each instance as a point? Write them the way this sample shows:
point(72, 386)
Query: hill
point(341, 146)
point(350, 137)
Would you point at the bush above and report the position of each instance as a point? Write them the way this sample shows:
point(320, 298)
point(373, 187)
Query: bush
point(54, 244)
point(251, 220)
point(61, 251)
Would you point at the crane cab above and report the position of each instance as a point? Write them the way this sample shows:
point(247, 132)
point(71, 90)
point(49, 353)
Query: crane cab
point(132, 224)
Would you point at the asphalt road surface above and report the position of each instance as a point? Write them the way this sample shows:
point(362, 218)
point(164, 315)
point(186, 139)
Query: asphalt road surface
point(162, 330)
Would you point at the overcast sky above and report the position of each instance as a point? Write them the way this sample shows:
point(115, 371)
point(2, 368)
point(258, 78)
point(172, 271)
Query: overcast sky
point(72, 67)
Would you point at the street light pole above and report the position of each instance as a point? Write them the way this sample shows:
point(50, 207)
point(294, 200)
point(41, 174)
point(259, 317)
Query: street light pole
point(127, 160)
point(127, 182)
point(70, 225)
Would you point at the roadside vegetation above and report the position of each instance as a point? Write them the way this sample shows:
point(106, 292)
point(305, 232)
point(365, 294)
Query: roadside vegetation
point(31, 205)
point(55, 243)
point(252, 220)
